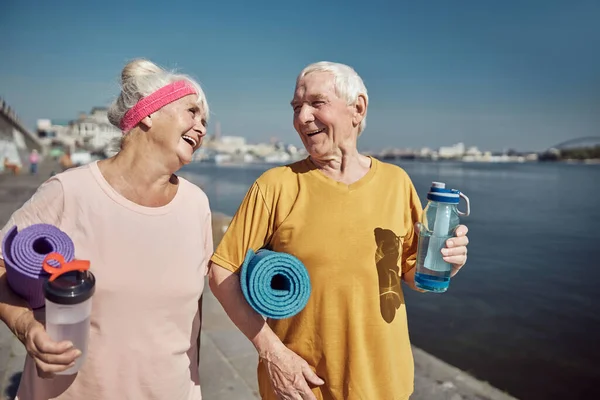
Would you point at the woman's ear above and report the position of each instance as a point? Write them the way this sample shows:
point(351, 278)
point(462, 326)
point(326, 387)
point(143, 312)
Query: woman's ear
point(147, 122)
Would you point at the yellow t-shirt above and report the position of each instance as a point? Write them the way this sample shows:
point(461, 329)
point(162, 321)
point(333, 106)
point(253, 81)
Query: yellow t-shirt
point(355, 240)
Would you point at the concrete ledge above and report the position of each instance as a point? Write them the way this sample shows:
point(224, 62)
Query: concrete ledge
point(435, 379)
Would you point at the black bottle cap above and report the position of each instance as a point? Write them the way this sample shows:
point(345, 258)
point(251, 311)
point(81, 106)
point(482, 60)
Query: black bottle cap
point(70, 288)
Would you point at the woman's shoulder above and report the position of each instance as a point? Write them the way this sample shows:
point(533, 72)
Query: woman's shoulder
point(193, 191)
point(46, 205)
point(76, 175)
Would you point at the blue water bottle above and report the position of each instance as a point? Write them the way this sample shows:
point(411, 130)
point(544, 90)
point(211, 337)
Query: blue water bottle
point(440, 219)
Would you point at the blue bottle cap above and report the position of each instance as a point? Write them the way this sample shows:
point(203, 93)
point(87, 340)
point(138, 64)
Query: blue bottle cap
point(439, 193)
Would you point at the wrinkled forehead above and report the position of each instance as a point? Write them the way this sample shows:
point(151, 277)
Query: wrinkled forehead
point(191, 101)
point(315, 85)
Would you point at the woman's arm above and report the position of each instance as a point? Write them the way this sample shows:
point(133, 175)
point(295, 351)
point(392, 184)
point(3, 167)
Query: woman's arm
point(45, 206)
point(50, 357)
point(14, 311)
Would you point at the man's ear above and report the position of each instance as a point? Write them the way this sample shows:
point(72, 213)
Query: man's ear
point(360, 109)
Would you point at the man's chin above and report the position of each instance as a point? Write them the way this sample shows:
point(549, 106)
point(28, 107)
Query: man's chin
point(321, 152)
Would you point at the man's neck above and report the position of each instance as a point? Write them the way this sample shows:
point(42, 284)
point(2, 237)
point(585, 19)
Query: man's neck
point(344, 166)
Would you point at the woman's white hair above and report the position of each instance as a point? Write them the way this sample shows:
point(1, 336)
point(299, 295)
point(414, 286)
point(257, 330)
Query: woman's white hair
point(348, 84)
point(141, 78)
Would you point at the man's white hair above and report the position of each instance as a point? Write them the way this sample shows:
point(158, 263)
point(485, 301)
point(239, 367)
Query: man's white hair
point(348, 84)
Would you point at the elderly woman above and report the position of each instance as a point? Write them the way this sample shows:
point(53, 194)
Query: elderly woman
point(148, 236)
point(351, 220)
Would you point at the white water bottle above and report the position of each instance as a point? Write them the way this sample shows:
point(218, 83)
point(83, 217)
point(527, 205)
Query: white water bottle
point(68, 310)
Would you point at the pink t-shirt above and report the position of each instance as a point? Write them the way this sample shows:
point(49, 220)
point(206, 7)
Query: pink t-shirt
point(149, 265)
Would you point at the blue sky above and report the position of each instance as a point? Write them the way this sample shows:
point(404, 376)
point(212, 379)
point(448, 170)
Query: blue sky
point(510, 74)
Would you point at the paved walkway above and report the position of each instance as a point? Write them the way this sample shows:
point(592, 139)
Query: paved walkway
point(228, 360)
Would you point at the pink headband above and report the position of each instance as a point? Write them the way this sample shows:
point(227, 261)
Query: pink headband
point(154, 102)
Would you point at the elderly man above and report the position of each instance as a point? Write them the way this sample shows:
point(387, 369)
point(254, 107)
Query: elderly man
point(351, 220)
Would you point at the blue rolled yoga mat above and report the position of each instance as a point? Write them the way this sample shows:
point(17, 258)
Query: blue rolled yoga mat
point(276, 285)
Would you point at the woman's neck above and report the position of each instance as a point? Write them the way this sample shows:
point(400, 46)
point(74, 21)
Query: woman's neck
point(140, 177)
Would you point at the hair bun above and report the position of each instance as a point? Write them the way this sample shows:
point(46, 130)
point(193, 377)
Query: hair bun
point(138, 68)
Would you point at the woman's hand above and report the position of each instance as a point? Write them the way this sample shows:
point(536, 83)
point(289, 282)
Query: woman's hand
point(290, 375)
point(50, 357)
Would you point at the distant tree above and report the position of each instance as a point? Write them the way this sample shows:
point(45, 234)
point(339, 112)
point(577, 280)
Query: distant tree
point(585, 153)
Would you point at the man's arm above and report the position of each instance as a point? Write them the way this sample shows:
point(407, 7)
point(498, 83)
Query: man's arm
point(409, 279)
point(454, 252)
point(290, 375)
point(225, 285)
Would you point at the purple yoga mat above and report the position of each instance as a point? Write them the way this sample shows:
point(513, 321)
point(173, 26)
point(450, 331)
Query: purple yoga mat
point(24, 253)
